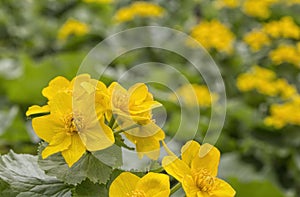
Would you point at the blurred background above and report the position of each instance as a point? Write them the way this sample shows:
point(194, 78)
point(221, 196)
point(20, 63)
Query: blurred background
point(255, 43)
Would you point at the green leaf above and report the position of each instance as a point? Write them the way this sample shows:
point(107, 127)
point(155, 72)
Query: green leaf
point(89, 189)
point(255, 188)
point(232, 166)
point(87, 167)
point(21, 176)
point(111, 156)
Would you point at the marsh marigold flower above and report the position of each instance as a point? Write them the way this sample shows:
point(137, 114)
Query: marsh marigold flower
point(72, 27)
point(285, 28)
point(257, 39)
point(197, 171)
point(258, 8)
point(195, 94)
point(138, 9)
point(75, 122)
point(265, 82)
point(133, 109)
point(214, 35)
point(284, 113)
point(150, 185)
point(285, 53)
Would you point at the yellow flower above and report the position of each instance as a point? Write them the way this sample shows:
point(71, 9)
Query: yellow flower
point(197, 171)
point(151, 185)
point(258, 8)
point(265, 82)
point(285, 53)
point(214, 35)
point(138, 9)
point(285, 27)
point(74, 124)
point(72, 27)
point(285, 113)
point(256, 39)
point(194, 95)
point(133, 109)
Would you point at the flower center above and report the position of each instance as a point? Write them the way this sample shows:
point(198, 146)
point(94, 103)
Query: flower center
point(203, 180)
point(137, 193)
point(74, 123)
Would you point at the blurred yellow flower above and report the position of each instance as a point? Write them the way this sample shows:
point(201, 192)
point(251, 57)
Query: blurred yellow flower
point(214, 35)
point(76, 121)
point(133, 109)
point(265, 82)
point(257, 39)
point(285, 53)
point(194, 94)
point(138, 9)
point(197, 171)
point(150, 185)
point(72, 27)
point(285, 27)
point(284, 114)
point(258, 8)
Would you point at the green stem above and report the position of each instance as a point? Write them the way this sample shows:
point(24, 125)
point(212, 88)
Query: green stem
point(111, 122)
point(175, 188)
point(127, 128)
point(158, 170)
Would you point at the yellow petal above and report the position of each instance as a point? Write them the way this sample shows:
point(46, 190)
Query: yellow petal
point(47, 126)
point(189, 151)
point(222, 189)
point(75, 151)
point(149, 146)
point(56, 85)
point(61, 104)
point(208, 158)
point(154, 185)
point(97, 136)
point(189, 187)
point(176, 167)
point(60, 142)
point(35, 109)
point(137, 93)
point(123, 185)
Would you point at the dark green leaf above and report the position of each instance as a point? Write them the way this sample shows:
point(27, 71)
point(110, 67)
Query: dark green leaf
point(89, 189)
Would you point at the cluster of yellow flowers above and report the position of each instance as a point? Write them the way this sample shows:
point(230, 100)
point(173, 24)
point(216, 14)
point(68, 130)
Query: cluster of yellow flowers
point(214, 35)
point(83, 114)
point(258, 8)
point(72, 27)
point(193, 95)
point(138, 9)
point(283, 28)
point(286, 53)
point(284, 114)
point(196, 171)
point(265, 82)
point(74, 123)
point(257, 39)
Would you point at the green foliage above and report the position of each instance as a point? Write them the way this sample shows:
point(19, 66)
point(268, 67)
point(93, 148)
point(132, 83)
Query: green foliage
point(88, 167)
point(20, 175)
